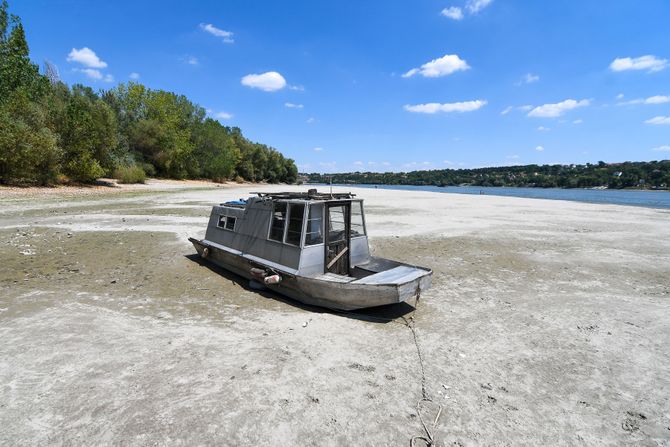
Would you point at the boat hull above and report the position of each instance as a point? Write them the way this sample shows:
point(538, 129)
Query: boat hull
point(321, 291)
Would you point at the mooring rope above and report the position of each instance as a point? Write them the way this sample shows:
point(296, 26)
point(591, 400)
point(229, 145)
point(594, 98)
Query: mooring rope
point(429, 438)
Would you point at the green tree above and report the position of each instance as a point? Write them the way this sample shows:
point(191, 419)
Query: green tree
point(29, 152)
point(88, 136)
point(16, 69)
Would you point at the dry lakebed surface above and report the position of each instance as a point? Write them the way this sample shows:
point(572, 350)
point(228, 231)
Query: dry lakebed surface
point(548, 323)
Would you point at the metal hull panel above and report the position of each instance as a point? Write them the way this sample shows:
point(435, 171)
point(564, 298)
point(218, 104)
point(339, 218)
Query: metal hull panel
point(340, 295)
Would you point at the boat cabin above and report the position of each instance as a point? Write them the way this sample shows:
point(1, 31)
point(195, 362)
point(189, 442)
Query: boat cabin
point(306, 234)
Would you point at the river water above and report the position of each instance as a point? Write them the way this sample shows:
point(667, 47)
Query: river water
point(652, 199)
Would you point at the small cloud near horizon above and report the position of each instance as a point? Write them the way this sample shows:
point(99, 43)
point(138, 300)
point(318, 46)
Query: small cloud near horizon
point(648, 62)
point(658, 120)
point(223, 115)
point(270, 81)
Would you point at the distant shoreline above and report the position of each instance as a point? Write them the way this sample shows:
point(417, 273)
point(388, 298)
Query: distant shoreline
point(592, 188)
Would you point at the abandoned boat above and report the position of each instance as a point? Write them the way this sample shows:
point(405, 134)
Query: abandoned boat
point(312, 247)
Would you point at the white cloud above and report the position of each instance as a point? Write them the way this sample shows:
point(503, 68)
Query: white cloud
point(317, 149)
point(664, 148)
point(358, 163)
point(86, 57)
point(191, 60)
point(453, 12)
point(543, 129)
point(577, 121)
point(528, 78)
point(310, 120)
point(507, 110)
point(298, 88)
point(512, 157)
point(290, 105)
point(446, 65)
point(658, 120)
point(448, 162)
point(557, 109)
point(525, 108)
point(658, 99)
point(539, 148)
point(268, 82)
point(109, 78)
point(434, 107)
point(92, 73)
point(211, 29)
point(619, 96)
point(648, 62)
point(223, 115)
point(474, 6)
point(134, 75)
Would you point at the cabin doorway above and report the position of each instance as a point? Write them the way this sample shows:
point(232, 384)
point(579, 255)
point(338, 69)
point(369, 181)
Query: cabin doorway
point(338, 229)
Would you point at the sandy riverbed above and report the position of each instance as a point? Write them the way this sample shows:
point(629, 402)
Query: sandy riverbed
point(548, 323)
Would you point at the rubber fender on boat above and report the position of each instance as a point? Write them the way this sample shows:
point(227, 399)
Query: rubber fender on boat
point(205, 252)
point(257, 273)
point(272, 279)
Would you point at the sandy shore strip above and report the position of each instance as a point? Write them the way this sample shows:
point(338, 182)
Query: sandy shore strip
point(547, 324)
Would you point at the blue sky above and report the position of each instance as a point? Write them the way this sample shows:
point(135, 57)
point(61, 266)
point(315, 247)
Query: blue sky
point(378, 85)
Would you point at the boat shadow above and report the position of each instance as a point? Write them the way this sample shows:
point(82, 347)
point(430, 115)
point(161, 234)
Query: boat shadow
point(381, 314)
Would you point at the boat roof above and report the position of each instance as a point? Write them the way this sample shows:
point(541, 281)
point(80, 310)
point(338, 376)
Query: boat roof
point(312, 194)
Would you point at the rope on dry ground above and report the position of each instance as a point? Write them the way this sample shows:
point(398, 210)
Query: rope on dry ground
point(428, 438)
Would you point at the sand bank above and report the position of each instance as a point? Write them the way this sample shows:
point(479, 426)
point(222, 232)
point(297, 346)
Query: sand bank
point(547, 324)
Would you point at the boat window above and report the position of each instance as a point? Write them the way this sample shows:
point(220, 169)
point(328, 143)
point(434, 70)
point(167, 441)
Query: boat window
point(357, 225)
point(227, 222)
point(336, 223)
point(313, 234)
point(278, 221)
point(295, 217)
point(230, 223)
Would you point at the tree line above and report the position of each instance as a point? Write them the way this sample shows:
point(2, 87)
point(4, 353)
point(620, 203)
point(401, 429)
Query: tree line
point(51, 132)
point(644, 175)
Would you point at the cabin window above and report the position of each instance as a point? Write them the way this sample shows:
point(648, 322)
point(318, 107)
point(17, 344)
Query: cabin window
point(313, 234)
point(357, 223)
point(295, 217)
point(337, 223)
point(227, 222)
point(278, 222)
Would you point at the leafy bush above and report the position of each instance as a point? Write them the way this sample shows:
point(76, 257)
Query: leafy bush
point(130, 174)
